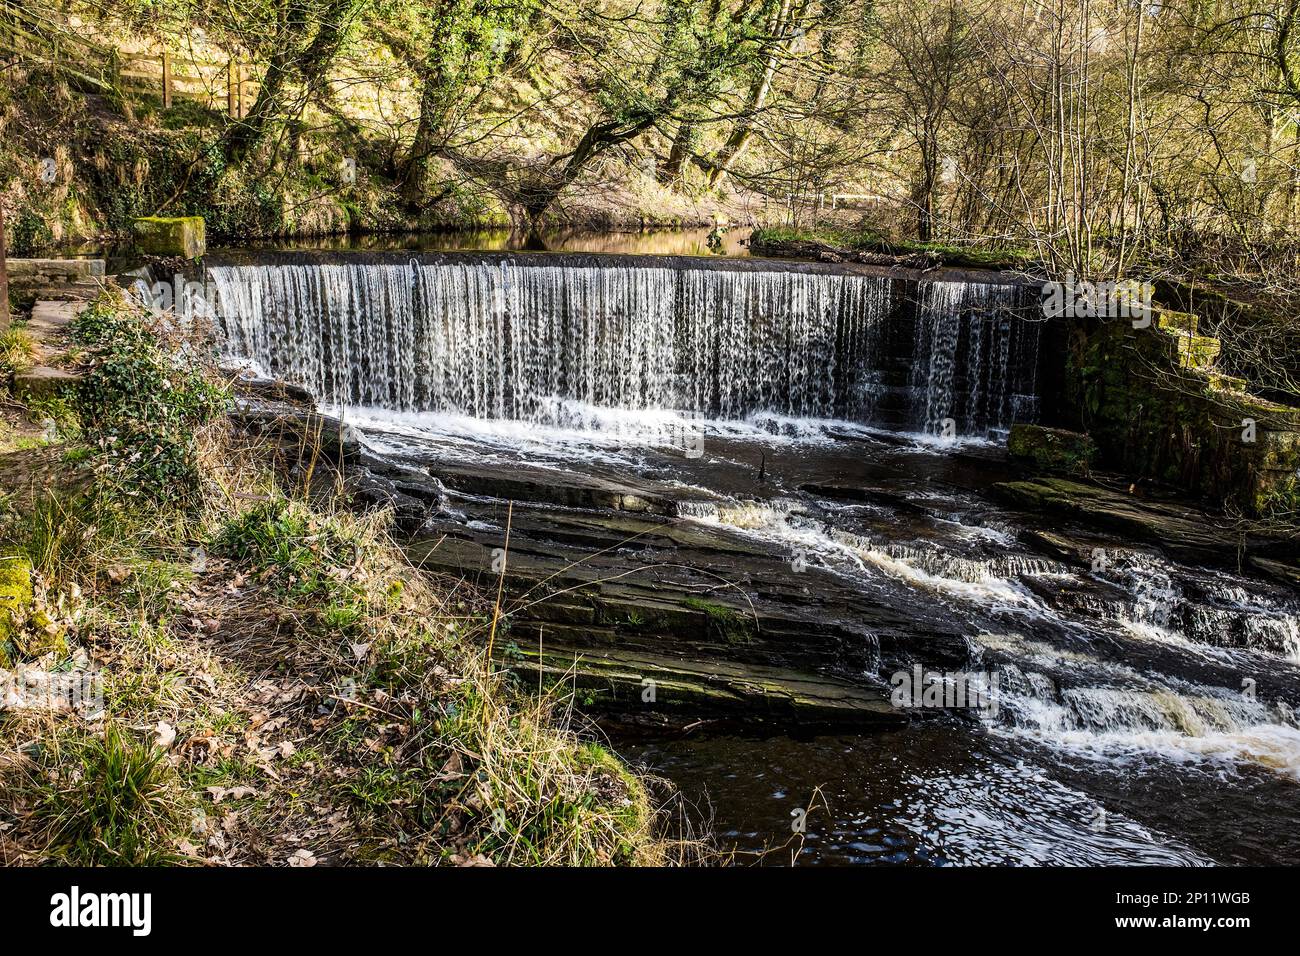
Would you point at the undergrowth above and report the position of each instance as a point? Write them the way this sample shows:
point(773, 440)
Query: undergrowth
point(145, 396)
point(275, 683)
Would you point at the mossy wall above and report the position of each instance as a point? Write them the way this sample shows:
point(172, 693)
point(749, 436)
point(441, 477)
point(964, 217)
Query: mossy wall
point(1155, 419)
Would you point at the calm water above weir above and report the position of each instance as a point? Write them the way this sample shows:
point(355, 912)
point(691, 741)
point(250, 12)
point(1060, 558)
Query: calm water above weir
point(819, 447)
point(651, 242)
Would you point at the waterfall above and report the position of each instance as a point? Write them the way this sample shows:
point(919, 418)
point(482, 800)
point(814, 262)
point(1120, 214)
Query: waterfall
point(537, 342)
point(974, 363)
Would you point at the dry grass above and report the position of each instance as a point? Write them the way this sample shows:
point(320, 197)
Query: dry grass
point(285, 688)
point(279, 684)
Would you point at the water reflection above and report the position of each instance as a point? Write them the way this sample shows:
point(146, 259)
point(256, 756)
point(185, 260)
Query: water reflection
point(928, 796)
point(676, 242)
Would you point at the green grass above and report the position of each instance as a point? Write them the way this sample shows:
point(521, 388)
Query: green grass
point(17, 350)
point(108, 801)
point(56, 532)
point(308, 554)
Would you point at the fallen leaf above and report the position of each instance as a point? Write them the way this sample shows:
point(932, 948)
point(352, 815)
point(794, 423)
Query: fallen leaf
point(234, 793)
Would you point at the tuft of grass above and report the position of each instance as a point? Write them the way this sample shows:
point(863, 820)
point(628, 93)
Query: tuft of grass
point(56, 534)
point(107, 801)
point(309, 554)
point(17, 350)
point(60, 413)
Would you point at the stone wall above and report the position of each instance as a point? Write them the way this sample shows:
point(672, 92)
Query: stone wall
point(30, 279)
point(1157, 408)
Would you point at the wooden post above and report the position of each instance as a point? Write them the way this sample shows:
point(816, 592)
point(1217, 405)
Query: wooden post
point(167, 80)
point(232, 96)
point(4, 274)
point(243, 110)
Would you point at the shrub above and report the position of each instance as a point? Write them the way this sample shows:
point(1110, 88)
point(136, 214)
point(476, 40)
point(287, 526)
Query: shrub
point(142, 400)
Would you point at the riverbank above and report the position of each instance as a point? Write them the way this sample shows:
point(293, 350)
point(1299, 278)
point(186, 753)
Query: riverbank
point(838, 244)
point(210, 660)
point(78, 167)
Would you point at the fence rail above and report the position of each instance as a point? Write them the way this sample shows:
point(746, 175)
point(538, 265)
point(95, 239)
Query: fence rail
point(29, 36)
point(205, 80)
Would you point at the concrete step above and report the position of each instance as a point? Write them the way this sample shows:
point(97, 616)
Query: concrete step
point(54, 316)
point(44, 270)
point(81, 290)
point(43, 383)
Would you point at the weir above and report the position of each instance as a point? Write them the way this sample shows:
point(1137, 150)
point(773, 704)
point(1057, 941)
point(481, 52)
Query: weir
point(545, 339)
point(789, 574)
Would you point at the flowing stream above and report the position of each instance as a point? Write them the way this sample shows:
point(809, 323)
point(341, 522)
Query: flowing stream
point(846, 427)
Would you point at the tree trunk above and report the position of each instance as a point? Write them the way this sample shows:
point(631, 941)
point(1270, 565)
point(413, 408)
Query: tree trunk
point(434, 103)
point(538, 196)
point(683, 146)
point(302, 58)
point(245, 134)
point(757, 99)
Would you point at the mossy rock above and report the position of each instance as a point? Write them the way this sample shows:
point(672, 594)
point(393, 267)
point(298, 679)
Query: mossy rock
point(1197, 351)
point(1279, 451)
point(1227, 383)
point(1277, 493)
point(726, 623)
point(161, 236)
point(1184, 323)
point(1052, 449)
point(26, 631)
point(15, 606)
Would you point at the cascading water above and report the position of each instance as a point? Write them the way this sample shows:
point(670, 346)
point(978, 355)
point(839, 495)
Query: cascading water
point(975, 363)
point(545, 343)
point(1178, 677)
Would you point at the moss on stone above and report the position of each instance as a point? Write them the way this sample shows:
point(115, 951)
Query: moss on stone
point(724, 622)
point(1197, 351)
point(1051, 449)
point(1184, 323)
point(162, 236)
point(1154, 416)
point(15, 606)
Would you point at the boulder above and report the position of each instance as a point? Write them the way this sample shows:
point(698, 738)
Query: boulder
point(15, 604)
point(1052, 449)
point(160, 236)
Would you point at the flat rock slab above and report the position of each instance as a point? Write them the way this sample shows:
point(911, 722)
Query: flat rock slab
point(1180, 530)
point(43, 382)
point(54, 268)
point(52, 318)
point(662, 684)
